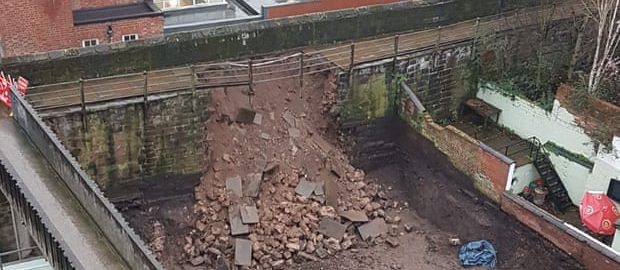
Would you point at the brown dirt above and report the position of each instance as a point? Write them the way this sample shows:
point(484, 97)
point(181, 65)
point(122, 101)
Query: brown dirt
point(422, 188)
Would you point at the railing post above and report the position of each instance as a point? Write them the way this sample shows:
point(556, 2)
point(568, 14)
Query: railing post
point(438, 41)
point(301, 75)
point(395, 60)
point(250, 82)
point(83, 104)
point(351, 64)
point(193, 87)
point(475, 41)
point(352, 60)
point(145, 95)
point(192, 69)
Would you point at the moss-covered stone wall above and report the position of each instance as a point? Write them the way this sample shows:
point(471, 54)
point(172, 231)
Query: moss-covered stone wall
point(124, 151)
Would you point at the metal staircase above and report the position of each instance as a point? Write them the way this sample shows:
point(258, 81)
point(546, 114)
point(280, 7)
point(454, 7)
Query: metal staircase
point(558, 196)
point(557, 192)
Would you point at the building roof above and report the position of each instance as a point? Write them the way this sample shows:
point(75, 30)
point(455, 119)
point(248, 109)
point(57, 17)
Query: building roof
point(113, 13)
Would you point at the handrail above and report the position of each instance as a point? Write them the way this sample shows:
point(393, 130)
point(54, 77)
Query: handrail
point(536, 147)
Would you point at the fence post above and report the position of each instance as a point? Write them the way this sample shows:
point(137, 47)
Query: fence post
point(193, 80)
point(301, 75)
point(83, 104)
point(351, 63)
point(250, 82)
point(352, 60)
point(395, 60)
point(193, 86)
point(438, 42)
point(475, 41)
point(145, 95)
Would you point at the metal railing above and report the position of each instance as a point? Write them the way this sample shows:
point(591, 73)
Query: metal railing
point(534, 148)
point(18, 252)
point(297, 65)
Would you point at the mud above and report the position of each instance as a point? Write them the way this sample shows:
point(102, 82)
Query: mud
point(443, 204)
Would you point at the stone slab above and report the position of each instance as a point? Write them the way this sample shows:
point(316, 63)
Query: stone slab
point(245, 116)
point(294, 133)
point(331, 192)
point(319, 189)
point(354, 216)
point(252, 184)
point(289, 118)
point(260, 164)
point(233, 184)
point(264, 136)
point(373, 229)
point(332, 228)
point(258, 119)
point(236, 224)
point(243, 252)
point(249, 214)
point(305, 188)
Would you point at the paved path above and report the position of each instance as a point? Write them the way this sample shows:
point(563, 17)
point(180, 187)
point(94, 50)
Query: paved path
point(61, 210)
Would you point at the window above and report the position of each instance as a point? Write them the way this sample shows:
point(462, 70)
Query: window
point(169, 4)
point(130, 37)
point(90, 42)
point(613, 191)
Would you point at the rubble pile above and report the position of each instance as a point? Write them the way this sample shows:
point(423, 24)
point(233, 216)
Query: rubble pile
point(277, 193)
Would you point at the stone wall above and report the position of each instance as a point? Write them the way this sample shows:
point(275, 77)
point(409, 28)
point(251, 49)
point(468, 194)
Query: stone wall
point(126, 151)
point(372, 95)
point(440, 78)
point(250, 38)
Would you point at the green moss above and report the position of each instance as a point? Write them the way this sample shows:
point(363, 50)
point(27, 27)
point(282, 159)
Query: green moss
point(368, 99)
point(574, 157)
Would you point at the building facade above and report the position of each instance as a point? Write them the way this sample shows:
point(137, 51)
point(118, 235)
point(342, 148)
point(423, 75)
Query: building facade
point(34, 26)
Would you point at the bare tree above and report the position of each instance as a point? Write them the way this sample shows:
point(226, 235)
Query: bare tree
point(605, 15)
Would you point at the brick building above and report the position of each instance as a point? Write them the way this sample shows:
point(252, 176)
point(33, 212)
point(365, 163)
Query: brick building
point(34, 26)
point(272, 9)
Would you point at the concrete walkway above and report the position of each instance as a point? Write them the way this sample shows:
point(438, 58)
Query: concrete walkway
point(73, 227)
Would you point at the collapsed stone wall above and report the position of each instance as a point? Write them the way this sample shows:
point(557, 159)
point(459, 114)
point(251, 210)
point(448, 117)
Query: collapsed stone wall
point(125, 151)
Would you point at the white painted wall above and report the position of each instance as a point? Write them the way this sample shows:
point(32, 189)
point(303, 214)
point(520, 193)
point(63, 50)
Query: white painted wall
point(524, 174)
point(527, 120)
point(574, 176)
point(606, 166)
point(558, 126)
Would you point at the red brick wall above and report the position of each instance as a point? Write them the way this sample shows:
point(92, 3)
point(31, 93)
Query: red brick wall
point(102, 3)
point(45, 25)
point(488, 172)
point(320, 6)
point(581, 251)
point(145, 27)
point(37, 26)
point(496, 170)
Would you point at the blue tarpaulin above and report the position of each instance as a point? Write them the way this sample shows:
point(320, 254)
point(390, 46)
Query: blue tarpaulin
point(477, 253)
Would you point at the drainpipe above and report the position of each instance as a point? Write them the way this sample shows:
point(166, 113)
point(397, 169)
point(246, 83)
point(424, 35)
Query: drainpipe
point(615, 245)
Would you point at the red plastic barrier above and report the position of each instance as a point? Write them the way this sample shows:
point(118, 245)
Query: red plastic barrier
point(6, 83)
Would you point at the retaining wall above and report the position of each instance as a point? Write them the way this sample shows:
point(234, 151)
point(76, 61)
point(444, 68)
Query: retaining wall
point(126, 151)
point(109, 220)
point(250, 38)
